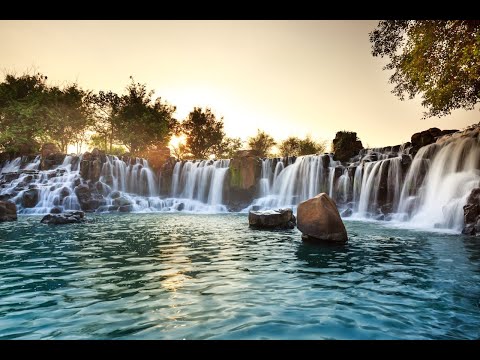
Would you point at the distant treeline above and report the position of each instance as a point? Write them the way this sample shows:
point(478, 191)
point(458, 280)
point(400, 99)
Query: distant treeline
point(33, 112)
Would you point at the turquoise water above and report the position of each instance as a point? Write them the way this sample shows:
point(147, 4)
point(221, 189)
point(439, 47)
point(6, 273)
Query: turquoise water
point(181, 276)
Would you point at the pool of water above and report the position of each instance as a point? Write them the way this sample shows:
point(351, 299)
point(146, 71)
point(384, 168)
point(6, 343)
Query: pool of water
point(184, 276)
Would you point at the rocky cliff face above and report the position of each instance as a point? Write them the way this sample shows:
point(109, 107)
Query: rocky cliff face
point(242, 179)
point(472, 214)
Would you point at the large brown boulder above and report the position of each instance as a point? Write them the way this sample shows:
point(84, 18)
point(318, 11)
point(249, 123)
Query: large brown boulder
point(272, 219)
point(8, 211)
point(318, 219)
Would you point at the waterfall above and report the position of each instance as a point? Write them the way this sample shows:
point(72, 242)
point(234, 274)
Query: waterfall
point(452, 172)
point(199, 185)
point(293, 183)
point(428, 191)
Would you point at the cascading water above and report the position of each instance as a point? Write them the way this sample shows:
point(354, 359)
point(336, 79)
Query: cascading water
point(123, 184)
point(428, 191)
point(452, 172)
point(198, 186)
point(430, 194)
point(37, 192)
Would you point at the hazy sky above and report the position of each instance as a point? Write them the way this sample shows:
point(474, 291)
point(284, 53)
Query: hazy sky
point(285, 77)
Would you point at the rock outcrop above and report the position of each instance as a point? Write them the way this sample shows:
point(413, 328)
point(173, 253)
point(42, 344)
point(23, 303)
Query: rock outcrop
point(88, 197)
point(272, 219)
point(51, 156)
point(8, 211)
point(346, 145)
point(318, 219)
point(69, 217)
point(91, 165)
point(30, 198)
point(243, 174)
point(427, 137)
point(471, 213)
point(165, 176)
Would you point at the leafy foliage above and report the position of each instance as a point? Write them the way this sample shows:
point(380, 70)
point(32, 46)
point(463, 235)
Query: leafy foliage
point(204, 132)
point(67, 115)
point(105, 107)
point(142, 121)
point(439, 60)
point(261, 143)
point(227, 148)
point(294, 146)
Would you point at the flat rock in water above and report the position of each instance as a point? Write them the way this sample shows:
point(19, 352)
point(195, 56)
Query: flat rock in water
point(272, 219)
point(69, 217)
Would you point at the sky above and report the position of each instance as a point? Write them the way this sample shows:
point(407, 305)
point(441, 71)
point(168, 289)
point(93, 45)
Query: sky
point(284, 77)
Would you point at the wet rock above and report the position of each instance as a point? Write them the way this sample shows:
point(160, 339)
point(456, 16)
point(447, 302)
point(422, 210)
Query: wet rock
point(471, 213)
point(347, 212)
point(69, 217)
point(8, 211)
point(30, 198)
point(96, 170)
point(180, 207)
point(121, 201)
point(125, 208)
point(56, 210)
point(64, 193)
point(380, 217)
point(89, 199)
point(272, 219)
point(115, 194)
point(318, 219)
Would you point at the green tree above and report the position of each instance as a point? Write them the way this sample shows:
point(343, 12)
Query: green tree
point(227, 148)
point(204, 132)
point(68, 116)
point(105, 106)
point(22, 113)
point(143, 122)
point(294, 146)
point(261, 143)
point(439, 60)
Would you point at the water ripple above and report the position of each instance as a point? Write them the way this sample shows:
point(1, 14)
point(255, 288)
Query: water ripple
point(176, 276)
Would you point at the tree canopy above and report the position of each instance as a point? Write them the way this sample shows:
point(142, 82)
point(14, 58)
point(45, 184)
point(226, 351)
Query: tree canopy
point(261, 143)
point(204, 132)
point(143, 121)
point(294, 146)
point(436, 59)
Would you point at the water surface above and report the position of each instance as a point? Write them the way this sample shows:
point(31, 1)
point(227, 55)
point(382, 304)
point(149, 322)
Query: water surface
point(185, 276)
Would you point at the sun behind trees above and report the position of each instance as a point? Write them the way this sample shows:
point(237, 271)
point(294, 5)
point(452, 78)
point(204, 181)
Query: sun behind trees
point(33, 113)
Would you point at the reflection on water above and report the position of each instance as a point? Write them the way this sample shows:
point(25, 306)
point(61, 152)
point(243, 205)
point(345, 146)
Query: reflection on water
point(175, 276)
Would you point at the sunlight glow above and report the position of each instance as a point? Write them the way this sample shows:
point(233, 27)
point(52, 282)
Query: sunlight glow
point(175, 141)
